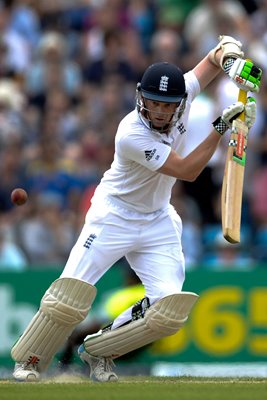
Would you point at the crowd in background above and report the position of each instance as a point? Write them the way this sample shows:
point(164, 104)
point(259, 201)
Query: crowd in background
point(68, 73)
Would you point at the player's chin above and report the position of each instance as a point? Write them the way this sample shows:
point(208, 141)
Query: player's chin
point(158, 124)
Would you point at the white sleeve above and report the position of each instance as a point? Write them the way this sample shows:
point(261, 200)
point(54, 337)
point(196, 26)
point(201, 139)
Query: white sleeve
point(149, 153)
point(192, 85)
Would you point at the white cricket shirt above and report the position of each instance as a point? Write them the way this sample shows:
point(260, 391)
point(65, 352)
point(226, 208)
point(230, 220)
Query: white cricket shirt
point(132, 180)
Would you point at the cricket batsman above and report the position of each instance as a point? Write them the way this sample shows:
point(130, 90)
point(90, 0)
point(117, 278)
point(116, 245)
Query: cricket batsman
point(131, 216)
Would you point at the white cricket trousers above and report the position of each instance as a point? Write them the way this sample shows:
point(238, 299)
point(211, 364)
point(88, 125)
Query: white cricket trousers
point(151, 244)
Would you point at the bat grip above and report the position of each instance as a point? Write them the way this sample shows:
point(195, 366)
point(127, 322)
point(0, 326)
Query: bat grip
point(242, 96)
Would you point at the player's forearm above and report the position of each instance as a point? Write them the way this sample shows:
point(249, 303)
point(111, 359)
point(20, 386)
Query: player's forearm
point(189, 168)
point(196, 161)
point(206, 71)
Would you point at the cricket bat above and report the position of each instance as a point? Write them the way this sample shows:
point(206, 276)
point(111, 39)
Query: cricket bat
point(233, 179)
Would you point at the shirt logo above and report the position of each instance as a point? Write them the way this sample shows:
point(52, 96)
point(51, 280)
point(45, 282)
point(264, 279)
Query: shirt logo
point(163, 84)
point(149, 154)
point(32, 360)
point(89, 241)
point(181, 128)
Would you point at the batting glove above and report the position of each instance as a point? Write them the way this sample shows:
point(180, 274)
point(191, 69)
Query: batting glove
point(246, 75)
point(250, 112)
point(224, 122)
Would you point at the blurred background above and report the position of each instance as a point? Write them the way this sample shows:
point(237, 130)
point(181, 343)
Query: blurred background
point(68, 73)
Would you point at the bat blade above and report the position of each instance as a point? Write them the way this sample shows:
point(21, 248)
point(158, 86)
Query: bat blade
point(233, 180)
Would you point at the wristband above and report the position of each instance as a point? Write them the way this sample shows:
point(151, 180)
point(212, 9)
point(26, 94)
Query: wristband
point(220, 126)
point(228, 65)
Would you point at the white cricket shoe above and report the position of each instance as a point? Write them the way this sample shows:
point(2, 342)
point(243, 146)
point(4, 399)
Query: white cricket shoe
point(26, 372)
point(101, 367)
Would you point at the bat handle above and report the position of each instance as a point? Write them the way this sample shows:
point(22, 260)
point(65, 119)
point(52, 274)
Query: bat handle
point(242, 96)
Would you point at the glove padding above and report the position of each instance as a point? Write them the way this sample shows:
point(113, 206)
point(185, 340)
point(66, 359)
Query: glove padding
point(250, 112)
point(246, 75)
point(230, 48)
point(223, 123)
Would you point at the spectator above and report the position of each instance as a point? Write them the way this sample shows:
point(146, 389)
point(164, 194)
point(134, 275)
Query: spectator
point(206, 21)
point(142, 17)
point(190, 213)
point(258, 44)
point(166, 45)
point(173, 13)
point(104, 16)
point(112, 62)
point(18, 56)
point(51, 171)
point(228, 256)
point(12, 128)
point(46, 233)
point(52, 69)
point(12, 174)
point(111, 103)
point(24, 20)
point(12, 257)
point(61, 110)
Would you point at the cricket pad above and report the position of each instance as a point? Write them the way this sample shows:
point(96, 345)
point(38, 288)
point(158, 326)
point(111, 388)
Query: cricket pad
point(163, 318)
point(65, 304)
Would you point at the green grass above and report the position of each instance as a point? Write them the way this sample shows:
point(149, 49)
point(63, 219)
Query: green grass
point(136, 388)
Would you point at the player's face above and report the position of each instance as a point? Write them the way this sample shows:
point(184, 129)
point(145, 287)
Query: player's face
point(159, 113)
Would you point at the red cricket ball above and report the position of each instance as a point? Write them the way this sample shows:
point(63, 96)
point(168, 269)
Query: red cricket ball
point(19, 196)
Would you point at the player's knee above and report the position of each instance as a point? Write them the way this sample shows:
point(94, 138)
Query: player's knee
point(164, 324)
point(164, 291)
point(167, 289)
point(165, 317)
point(67, 301)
